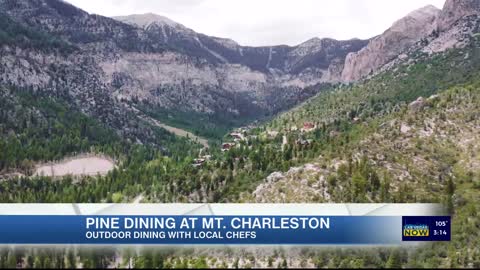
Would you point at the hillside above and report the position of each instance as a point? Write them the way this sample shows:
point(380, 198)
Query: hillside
point(426, 151)
point(410, 150)
point(36, 128)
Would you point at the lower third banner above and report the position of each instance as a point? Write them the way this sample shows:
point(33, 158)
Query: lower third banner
point(221, 229)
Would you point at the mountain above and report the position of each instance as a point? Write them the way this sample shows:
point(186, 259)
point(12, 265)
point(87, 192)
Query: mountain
point(390, 120)
point(221, 67)
point(151, 64)
point(385, 47)
point(154, 66)
point(454, 10)
point(151, 20)
point(137, 73)
point(427, 29)
point(286, 59)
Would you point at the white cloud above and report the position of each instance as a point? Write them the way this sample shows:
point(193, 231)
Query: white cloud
point(270, 22)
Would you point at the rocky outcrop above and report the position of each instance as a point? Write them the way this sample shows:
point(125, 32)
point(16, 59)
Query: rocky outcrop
point(387, 46)
point(417, 105)
point(149, 19)
point(453, 10)
point(457, 35)
point(427, 30)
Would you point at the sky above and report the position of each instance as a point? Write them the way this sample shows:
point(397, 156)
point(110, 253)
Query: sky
point(270, 22)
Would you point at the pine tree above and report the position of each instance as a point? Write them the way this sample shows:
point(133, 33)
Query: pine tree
point(385, 189)
point(47, 263)
point(37, 262)
point(394, 261)
point(30, 261)
point(11, 260)
point(71, 260)
point(450, 190)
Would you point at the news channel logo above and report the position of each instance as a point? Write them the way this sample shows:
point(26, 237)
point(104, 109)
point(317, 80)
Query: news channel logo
point(426, 228)
point(416, 230)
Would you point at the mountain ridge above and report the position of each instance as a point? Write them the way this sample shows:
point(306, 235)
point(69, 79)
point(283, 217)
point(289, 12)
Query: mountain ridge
point(158, 67)
point(231, 51)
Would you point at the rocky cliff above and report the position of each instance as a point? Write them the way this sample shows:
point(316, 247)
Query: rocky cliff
point(385, 47)
point(453, 10)
point(427, 29)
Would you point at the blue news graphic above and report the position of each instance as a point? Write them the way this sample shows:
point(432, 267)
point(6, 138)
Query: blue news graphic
point(180, 230)
point(425, 228)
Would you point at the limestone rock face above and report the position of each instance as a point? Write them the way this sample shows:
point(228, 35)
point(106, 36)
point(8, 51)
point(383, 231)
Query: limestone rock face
point(453, 10)
point(428, 30)
point(315, 56)
point(150, 58)
point(385, 47)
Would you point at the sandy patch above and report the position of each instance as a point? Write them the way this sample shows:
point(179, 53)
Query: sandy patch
point(76, 166)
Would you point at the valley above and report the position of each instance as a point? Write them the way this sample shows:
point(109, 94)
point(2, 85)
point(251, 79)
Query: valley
point(175, 130)
point(181, 132)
